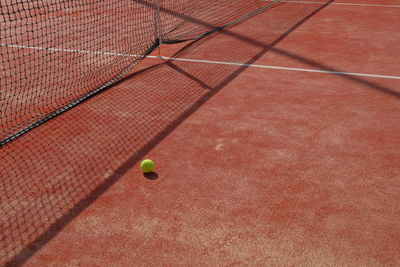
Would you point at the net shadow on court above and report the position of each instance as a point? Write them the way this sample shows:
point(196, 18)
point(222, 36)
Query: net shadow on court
point(54, 172)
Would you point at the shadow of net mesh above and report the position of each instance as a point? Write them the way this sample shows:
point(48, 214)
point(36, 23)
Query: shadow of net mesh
point(63, 142)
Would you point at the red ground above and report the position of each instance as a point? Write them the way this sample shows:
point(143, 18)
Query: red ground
point(255, 166)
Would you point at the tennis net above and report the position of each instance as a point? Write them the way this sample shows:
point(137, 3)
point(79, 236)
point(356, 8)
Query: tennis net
point(55, 54)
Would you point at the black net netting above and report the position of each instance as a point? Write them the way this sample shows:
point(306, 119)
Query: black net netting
point(56, 54)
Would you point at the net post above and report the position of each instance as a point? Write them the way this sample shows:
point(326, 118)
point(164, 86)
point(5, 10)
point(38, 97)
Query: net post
point(158, 27)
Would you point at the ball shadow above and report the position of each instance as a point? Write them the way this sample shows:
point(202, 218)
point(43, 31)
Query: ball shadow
point(151, 176)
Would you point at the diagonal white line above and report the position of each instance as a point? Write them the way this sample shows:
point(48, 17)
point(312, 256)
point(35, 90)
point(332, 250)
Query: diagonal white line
point(281, 68)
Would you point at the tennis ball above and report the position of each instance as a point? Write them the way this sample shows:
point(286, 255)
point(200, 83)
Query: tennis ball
point(147, 166)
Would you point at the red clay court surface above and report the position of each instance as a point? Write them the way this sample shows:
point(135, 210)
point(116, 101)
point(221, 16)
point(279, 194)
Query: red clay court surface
point(290, 158)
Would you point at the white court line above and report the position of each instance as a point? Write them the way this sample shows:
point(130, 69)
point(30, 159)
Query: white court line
point(282, 68)
point(69, 50)
point(208, 61)
point(334, 3)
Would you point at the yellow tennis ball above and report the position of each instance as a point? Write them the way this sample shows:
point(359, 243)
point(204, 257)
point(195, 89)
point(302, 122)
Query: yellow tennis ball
point(147, 166)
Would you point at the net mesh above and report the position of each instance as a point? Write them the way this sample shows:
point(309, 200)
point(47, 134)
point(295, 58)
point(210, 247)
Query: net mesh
point(181, 21)
point(55, 54)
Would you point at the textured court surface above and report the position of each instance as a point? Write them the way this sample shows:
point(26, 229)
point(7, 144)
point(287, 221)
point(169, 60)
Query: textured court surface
point(282, 166)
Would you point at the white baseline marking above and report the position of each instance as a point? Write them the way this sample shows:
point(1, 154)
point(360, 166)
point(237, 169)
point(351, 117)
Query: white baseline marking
point(342, 4)
point(206, 61)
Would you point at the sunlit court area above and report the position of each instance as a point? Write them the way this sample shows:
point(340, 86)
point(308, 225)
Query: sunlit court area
point(200, 133)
